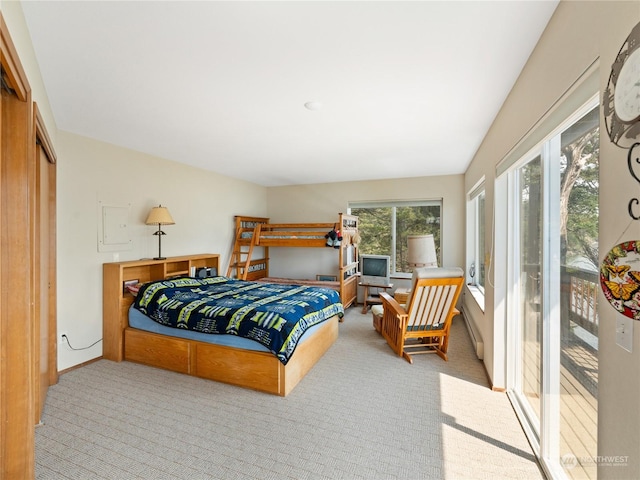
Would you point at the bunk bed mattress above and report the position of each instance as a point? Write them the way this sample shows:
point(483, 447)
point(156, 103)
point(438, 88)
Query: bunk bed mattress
point(274, 316)
point(333, 285)
point(283, 235)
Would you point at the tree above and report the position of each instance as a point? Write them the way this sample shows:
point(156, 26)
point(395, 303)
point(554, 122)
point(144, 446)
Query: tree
point(579, 197)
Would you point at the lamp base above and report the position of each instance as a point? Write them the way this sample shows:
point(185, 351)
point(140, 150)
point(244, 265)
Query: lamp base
point(159, 258)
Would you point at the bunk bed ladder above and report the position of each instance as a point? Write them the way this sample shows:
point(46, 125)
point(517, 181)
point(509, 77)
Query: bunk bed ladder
point(240, 258)
point(240, 263)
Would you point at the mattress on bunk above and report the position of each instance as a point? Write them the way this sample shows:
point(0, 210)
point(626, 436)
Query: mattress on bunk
point(282, 235)
point(333, 285)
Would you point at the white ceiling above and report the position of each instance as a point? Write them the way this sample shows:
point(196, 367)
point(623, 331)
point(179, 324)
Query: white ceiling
point(407, 88)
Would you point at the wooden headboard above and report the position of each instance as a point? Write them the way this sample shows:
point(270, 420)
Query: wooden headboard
point(116, 300)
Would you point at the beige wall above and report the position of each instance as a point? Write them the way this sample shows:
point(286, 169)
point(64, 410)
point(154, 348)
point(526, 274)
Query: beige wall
point(579, 34)
point(322, 203)
point(12, 13)
point(92, 173)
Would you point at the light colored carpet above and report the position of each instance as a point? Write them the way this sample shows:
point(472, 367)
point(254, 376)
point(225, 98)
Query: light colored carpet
point(361, 413)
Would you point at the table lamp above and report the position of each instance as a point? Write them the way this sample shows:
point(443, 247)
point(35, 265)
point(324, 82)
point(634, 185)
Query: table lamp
point(159, 215)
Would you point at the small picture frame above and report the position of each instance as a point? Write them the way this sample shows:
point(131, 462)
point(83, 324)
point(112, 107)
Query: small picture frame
point(327, 278)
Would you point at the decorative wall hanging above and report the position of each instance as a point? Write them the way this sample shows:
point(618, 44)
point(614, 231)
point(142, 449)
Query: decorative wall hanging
point(621, 99)
point(620, 278)
point(621, 105)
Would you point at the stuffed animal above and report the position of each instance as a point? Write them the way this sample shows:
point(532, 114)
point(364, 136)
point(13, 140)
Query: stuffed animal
point(331, 238)
point(338, 240)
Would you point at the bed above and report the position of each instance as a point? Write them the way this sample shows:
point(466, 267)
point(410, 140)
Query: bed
point(227, 358)
point(255, 235)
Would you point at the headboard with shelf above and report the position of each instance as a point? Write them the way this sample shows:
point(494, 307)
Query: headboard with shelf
point(116, 300)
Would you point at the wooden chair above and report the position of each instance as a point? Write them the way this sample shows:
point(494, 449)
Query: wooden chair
point(423, 325)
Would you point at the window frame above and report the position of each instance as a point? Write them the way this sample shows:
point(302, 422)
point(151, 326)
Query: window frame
point(476, 258)
point(394, 204)
point(543, 436)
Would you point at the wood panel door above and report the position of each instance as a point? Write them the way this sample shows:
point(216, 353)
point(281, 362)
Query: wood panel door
point(16, 286)
point(44, 268)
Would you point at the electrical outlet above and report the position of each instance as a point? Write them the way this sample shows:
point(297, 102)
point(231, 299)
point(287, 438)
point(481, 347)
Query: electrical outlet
point(63, 338)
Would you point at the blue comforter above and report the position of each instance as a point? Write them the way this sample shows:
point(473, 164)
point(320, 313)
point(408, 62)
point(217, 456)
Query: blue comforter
point(273, 314)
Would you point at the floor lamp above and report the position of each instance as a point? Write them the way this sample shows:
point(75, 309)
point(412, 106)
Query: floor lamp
point(159, 215)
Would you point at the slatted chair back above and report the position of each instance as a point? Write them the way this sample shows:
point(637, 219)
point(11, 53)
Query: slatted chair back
point(422, 326)
point(432, 301)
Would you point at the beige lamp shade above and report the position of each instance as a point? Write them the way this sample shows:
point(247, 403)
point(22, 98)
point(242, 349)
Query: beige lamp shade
point(159, 216)
point(422, 251)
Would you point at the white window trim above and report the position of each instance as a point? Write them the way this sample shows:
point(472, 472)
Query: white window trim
point(402, 203)
point(473, 254)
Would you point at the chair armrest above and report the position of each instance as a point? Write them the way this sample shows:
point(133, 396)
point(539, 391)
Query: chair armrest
point(394, 322)
point(392, 304)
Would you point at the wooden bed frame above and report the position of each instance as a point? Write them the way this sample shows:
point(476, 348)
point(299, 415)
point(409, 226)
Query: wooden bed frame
point(252, 232)
point(245, 368)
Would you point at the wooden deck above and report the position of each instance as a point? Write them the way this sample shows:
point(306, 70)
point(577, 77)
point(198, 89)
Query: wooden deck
point(578, 373)
point(579, 407)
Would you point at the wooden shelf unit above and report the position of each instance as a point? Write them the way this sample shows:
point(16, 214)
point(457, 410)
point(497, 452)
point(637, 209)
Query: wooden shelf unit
point(348, 263)
point(116, 300)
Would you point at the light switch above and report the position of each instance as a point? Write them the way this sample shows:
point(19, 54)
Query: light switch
point(624, 332)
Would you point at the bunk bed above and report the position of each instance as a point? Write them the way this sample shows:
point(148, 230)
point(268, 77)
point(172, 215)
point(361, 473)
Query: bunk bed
point(249, 262)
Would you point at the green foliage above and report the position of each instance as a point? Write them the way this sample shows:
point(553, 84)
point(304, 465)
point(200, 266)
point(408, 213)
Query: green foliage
point(377, 235)
point(374, 229)
point(581, 237)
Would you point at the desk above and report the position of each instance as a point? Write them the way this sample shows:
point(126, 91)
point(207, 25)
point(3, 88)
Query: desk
point(372, 299)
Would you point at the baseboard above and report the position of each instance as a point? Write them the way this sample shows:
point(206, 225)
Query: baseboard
point(80, 365)
point(476, 339)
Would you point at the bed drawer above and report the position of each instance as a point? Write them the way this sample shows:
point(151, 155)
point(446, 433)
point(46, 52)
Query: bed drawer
point(256, 370)
point(150, 349)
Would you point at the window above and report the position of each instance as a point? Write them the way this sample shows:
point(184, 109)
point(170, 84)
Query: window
point(476, 253)
point(384, 228)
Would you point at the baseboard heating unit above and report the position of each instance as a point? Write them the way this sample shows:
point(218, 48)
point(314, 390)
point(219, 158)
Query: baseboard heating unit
point(474, 334)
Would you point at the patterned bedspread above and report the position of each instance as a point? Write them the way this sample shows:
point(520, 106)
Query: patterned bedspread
point(273, 314)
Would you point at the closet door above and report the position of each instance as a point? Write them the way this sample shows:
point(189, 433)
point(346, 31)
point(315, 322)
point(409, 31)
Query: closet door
point(16, 326)
point(16, 314)
point(44, 215)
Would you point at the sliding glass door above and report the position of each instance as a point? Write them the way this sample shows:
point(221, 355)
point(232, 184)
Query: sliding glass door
point(552, 325)
point(529, 348)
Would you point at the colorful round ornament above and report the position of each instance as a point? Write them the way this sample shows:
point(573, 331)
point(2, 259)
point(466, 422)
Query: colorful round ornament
point(620, 278)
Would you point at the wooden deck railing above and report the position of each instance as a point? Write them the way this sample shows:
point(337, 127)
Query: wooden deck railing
point(583, 297)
